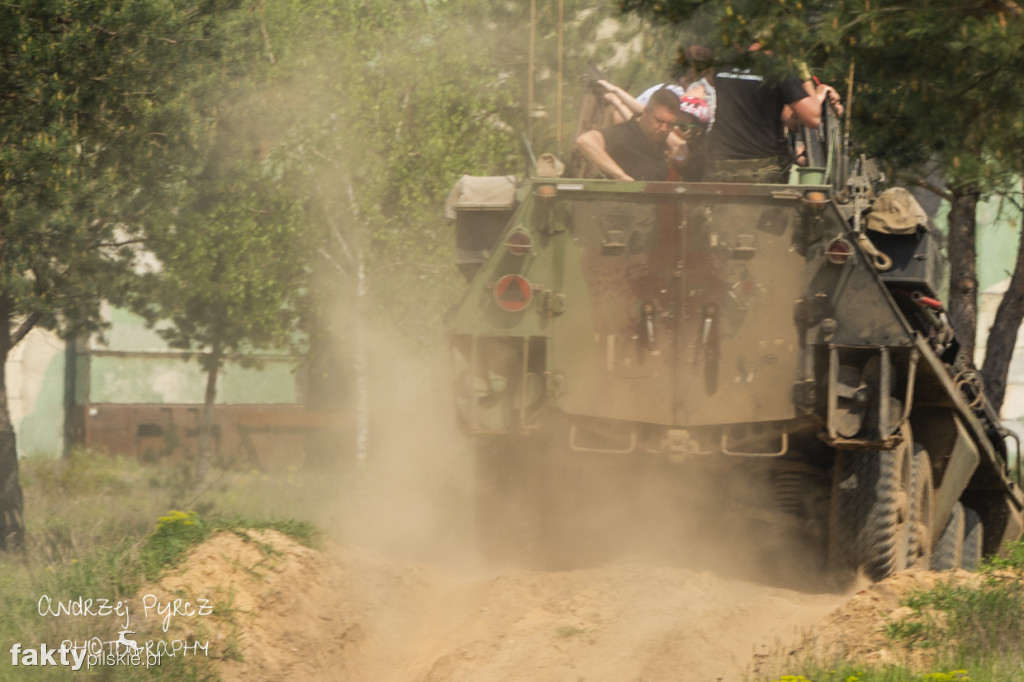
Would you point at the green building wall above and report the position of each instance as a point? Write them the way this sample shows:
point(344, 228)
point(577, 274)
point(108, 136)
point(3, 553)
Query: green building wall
point(129, 365)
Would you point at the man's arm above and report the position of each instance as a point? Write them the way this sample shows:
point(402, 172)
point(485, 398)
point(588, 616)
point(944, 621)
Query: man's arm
point(625, 98)
point(591, 145)
point(624, 113)
point(807, 110)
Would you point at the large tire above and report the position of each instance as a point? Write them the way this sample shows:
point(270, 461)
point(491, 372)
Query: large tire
point(974, 538)
point(922, 492)
point(870, 519)
point(949, 550)
point(510, 502)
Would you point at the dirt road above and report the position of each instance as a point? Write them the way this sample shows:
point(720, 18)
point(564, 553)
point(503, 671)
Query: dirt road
point(420, 607)
point(351, 614)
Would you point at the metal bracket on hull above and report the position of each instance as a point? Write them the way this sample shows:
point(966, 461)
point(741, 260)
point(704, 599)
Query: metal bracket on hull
point(574, 443)
point(783, 448)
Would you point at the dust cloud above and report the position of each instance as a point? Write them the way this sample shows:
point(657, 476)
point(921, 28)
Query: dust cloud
point(410, 497)
point(401, 591)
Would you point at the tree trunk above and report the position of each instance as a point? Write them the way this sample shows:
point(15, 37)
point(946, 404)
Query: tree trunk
point(362, 365)
point(206, 421)
point(12, 524)
point(963, 273)
point(1002, 337)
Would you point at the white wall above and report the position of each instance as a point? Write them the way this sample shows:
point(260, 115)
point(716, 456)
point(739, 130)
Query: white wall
point(35, 393)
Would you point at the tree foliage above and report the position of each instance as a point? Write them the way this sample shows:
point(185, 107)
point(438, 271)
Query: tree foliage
point(88, 114)
point(96, 121)
point(936, 84)
point(279, 160)
point(380, 108)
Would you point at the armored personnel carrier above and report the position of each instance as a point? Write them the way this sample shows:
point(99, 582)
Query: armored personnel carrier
point(785, 345)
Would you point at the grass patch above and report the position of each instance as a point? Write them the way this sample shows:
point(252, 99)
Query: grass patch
point(972, 633)
point(570, 631)
point(1013, 561)
point(972, 626)
point(893, 674)
point(98, 528)
point(226, 612)
point(177, 532)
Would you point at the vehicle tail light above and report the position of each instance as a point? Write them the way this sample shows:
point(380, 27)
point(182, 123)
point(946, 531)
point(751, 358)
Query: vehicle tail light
point(838, 251)
point(815, 200)
point(519, 243)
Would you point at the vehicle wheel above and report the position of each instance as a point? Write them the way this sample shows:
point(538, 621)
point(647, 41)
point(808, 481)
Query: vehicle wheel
point(509, 502)
point(974, 537)
point(949, 550)
point(919, 542)
point(870, 517)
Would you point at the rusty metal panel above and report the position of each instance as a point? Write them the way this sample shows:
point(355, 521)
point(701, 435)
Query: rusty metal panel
point(622, 285)
point(738, 344)
point(681, 307)
point(264, 437)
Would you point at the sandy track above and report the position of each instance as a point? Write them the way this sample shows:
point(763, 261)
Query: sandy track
point(351, 614)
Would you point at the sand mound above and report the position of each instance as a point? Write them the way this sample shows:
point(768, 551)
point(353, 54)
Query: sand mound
point(284, 611)
point(279, 610)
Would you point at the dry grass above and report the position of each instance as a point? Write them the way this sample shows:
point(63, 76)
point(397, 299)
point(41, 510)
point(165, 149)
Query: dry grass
point(98, 527)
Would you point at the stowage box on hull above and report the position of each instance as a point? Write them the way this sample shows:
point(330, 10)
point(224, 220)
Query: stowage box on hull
point(916, 260)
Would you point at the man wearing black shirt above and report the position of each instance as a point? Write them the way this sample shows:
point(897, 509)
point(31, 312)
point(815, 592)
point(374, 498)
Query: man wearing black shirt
point(637, 149)
point(748, 141)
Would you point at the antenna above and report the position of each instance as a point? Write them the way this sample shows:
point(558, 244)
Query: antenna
point(531, 158)
point(530, 68)
point(849, 108)
point(558, 92)
point(844, 165)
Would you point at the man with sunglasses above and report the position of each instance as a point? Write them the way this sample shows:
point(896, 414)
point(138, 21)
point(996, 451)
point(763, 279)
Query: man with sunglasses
point(638, 149)
point(689, 155)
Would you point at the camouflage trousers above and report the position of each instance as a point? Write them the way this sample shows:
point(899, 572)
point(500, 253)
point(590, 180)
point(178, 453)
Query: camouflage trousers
point(770, 170)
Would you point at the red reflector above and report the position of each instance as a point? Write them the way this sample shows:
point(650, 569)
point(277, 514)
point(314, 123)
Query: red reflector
point(839, 251)
point(513, 293)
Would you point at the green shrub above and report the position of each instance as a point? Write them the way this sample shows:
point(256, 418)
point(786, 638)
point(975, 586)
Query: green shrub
point(176, 532)
point(1013, 561)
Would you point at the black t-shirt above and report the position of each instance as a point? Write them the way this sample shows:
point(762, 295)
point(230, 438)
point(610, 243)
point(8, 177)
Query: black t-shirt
point(635, 154)
point(748, 116)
